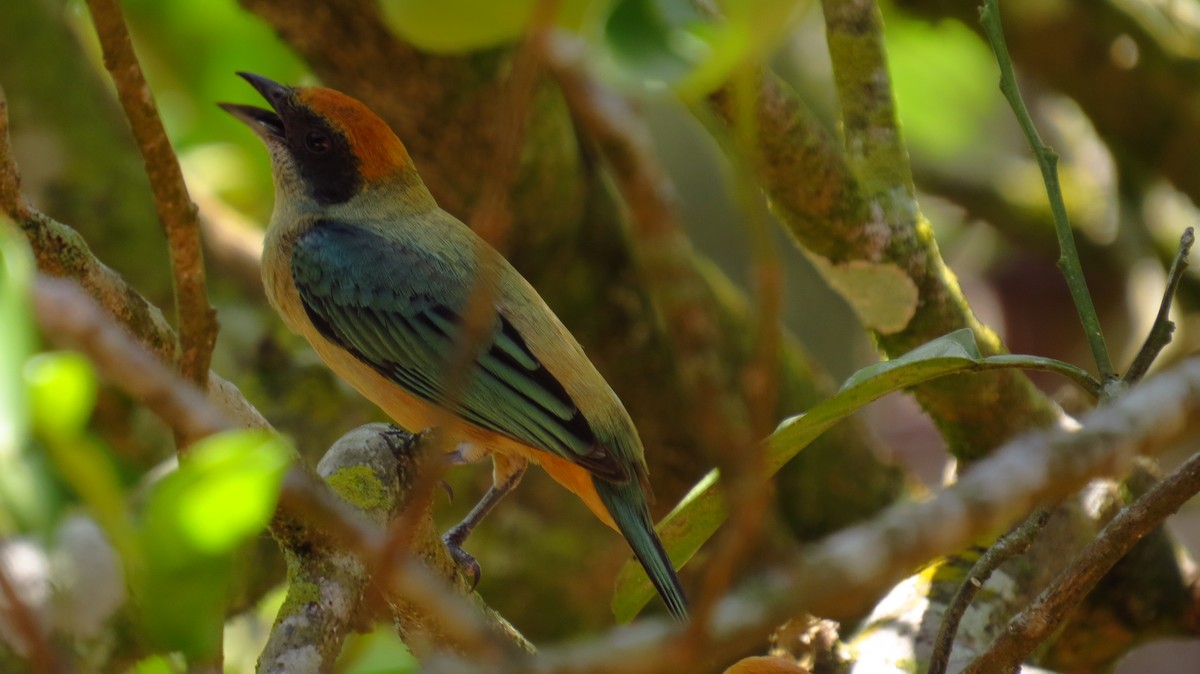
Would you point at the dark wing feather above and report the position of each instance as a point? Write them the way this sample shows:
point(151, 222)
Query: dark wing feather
point(399, 312)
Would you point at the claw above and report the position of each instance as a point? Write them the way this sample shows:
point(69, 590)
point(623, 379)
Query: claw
point(448, 489)
point(465, 560)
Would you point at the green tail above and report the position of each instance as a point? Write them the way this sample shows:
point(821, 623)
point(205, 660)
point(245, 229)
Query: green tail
point(627, 505)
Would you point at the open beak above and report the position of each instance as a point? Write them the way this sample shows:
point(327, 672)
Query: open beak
point(265, 123)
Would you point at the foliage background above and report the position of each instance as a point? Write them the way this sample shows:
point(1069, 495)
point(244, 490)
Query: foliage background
point(979, 188)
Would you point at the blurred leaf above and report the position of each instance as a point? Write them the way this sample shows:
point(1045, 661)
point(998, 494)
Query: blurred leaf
point(223, 493)
point(766, 664)
point(62, 392)
point(653, 48)
point(944, 77)
point(16, 272)
point(183, 604)
point(18, 494)
point(155, 664)
point(443, 26)
point(461, 26)
point(702, 511)
point(380, 652)
point(670, 43)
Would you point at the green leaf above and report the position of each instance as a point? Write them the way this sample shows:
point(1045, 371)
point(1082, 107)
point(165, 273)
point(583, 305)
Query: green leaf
point(183, 604)
point(702, 511)
point(944, 77)
point(956, 346)
point(155, 664)
point(653, 47)
point(379, 652)
point(16, 272)
point(223, 493)
point(62, 392)
point(670, 43)
point(461, 26)
point(19, 500)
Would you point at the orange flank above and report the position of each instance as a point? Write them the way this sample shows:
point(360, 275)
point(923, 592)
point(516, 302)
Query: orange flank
point(577, 479)
point(377, 148)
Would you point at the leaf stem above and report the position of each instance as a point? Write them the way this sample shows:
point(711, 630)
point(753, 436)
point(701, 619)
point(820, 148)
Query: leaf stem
point(1047, 159)
point(1080, 376)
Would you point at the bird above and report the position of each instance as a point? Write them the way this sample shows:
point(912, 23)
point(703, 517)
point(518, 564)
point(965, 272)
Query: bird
point(361, 261)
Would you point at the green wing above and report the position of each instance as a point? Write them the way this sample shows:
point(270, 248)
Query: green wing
point(399, 311)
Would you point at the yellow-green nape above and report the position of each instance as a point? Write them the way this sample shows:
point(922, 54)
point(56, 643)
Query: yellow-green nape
point(380, 153)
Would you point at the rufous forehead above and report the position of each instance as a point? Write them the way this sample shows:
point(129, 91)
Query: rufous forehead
point(373, 142)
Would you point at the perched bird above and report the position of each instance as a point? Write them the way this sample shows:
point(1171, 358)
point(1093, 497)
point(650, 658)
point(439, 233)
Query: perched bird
point(361, 261)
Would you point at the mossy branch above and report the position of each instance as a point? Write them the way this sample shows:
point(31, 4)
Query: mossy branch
point(882, 259)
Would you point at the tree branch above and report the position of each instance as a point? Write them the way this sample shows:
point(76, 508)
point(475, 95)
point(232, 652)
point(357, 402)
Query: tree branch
point(328, 582)
point(861, 254)
point(1015, 542)
point(568, 242)
point(19, 622)
point(843, 574)
point(308, 512)
point(1044, 616)
point(874, 144)
point(681, 297)
point(197, 320)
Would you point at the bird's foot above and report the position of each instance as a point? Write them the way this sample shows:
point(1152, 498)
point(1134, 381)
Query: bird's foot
point(465, 560)
point(427, 437)
point(448, 489)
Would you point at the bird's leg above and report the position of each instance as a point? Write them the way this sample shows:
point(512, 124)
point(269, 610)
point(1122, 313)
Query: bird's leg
point(506, 474)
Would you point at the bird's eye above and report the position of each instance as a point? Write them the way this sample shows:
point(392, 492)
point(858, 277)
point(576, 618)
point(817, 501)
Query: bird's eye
point(316, 142)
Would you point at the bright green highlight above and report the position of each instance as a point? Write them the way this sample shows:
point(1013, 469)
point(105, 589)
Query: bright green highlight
point(379, 652)
point(463, 26)
point(155, 664)
point(942, 78)
point(224, 492)
point(62, 393)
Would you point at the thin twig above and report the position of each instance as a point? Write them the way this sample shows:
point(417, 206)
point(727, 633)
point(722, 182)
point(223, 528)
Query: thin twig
point(491, 219)
point(1164, 327)
point(1047, 159)
point(743, 460)
point(72, 319)
point(21, 619)
point(60, 251)
point(114, 325)
point(11, 201)
point(68, 315)
point(845, 574)
point(680, 295)
point(196, 319)
point(1015, 542)
point(1042, 617)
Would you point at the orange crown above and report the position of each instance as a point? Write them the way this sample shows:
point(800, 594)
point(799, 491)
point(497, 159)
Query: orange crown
point(379, 151)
